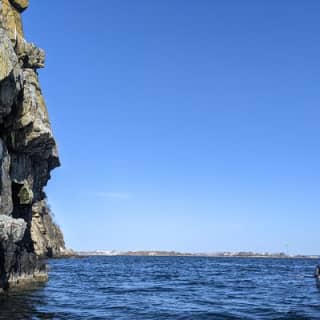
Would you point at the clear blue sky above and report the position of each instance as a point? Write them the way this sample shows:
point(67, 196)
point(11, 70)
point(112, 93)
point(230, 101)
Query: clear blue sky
point(184, 125)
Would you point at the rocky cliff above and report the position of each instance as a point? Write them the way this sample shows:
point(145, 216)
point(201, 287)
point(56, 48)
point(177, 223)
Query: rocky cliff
point(46, 234)
point(27, 155)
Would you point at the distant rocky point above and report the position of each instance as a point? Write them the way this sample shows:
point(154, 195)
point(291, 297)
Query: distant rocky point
point(243, 254)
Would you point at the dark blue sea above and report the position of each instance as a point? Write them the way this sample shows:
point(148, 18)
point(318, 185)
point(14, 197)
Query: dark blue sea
point(155, 288)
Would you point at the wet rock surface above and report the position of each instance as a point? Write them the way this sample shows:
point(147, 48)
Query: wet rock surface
point(28, 153)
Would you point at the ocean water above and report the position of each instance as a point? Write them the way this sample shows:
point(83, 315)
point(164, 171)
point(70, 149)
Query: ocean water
point(167, 288)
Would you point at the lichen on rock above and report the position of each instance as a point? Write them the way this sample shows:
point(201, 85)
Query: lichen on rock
point(28, 153)
point(25, 194)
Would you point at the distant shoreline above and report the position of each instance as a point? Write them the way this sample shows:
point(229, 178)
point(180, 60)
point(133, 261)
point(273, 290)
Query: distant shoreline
point(280, 255)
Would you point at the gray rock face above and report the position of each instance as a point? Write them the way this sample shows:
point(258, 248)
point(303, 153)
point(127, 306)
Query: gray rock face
point(28, 153)
point(6, 205)
point(9, 75)
point(11, 229)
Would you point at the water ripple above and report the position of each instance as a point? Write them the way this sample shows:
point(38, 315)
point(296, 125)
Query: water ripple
point(155, 288)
